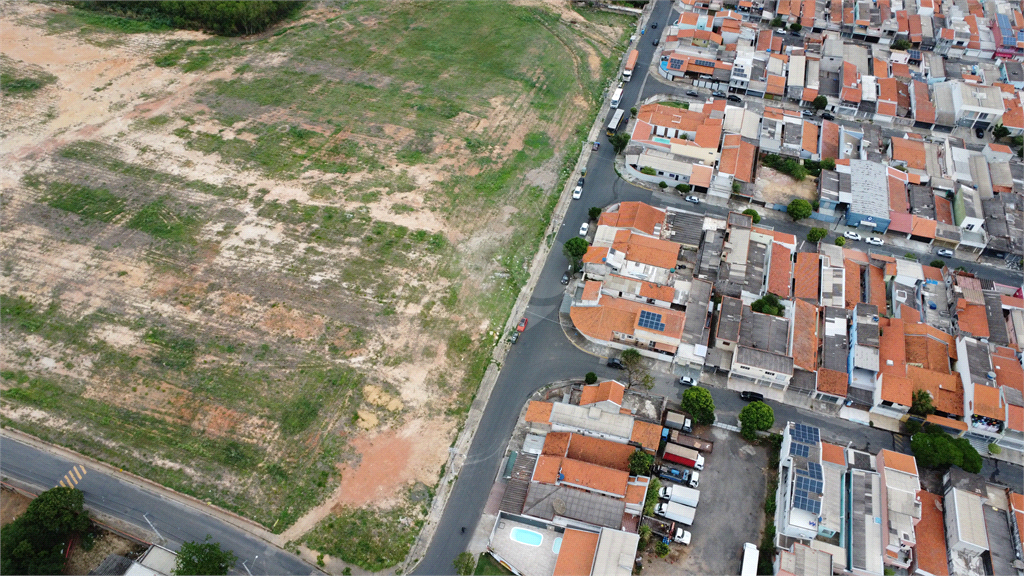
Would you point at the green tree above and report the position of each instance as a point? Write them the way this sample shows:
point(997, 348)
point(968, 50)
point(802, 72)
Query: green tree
point(1017, 141)
point(754, 216)
point(1000, 131)
point(814, 235)
point(902, 44)
point(912, 426)
point(662, 549)
point(819, 102)
point(594, 213)
point(921, 403)
point(206, 557)
point(840, 241)
point(574, 249)
point(632, 111)
point(640, 463)
point(699, 403)
point(636, 371)
point(937, 264)
point(684, 188)
point(799, 209)
point(777, 22)
point(754, 417)
point(828, 164)
point(796, 26)
point(971, 460)
point(767, 304)
point(619, 141)
point(736, 186)
point(662, 185)
point(33, 543)
point(465, 564)
point(590, 378)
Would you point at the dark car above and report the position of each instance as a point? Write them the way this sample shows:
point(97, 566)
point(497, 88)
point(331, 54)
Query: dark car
point(654, 25)
point(565, 278)
point(735, 98)
point(979, 132)
point(615, 363)
point(654, 42)
point(718, 94)
point(827, 116)
point(579, 182)
point(596, 146)
point(692, 93)
point(752, 396)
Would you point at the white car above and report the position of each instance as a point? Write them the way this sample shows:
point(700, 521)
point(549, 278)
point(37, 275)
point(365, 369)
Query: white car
point(693, 199)
point(577, 193)
point(852, 236)
point(584, 229)
point(875, 241)
point(944, 253)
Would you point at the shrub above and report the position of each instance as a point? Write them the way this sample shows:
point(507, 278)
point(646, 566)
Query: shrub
point(994, 449)
point(662, 185)
point(937, 264)
point(814, 235)
point(632, 111)
point(768, 304)
point(795, 26)
point(661, 549)
point(819, 103)
point(640, 463)
point(684, 188)
point(753, 215)
point(912, 426)
point(788, 166)
point(799, 209)
point(828, 163)
point(648, 170)
point(840, 241)
point(590, 378)
point(226, 18)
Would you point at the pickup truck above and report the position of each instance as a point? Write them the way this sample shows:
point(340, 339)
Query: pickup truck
point(683, 476)
point(677, 437)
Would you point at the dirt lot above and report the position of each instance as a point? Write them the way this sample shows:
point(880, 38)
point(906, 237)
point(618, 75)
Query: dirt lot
point(12, 505)
point(105, 543)
point(730, 513)
point(778, 188)
point(287, 253)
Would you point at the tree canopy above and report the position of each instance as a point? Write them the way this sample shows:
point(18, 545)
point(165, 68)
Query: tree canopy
point(921, 403)
point(224, 17)
point(754, 215)
point(936, 449)
point(819, 102)
point(636, 372)
point(33, 543)
point(754, 417)
point(640, 463)
point(619, 141)
point(799, 209)
point(204, 557)
point(814, 235)
point(464, 564)
point(767, 304)
point(574, 249)
point(699, 403)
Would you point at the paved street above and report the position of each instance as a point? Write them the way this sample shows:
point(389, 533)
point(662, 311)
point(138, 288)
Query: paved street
point(28, 467)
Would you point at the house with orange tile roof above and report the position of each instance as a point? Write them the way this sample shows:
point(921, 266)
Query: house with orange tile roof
point(902, 510)
point(637, 217)
point(620, 323)
point(930, 534)
point(606, 395)
point(624, 253)
point(541, 545)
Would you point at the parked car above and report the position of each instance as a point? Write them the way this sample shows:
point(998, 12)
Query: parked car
point(654, 25)
point(565, 278)
point(580, 181)
point(686, 381)
point(692, 93)
point(780, 30)
point(944, 253)
point(693, 199)
point(718, 94)
point(875, 241)
point(615, 363)
point(807, 113)
point(584, 229)
point(827, 116)
point(577, 193)
point(513, 338)
point(735, 98)
point(794, 33)
point(852, 236)
point(752, 396)
point(522, 324)
point(979, 132)
point(654, 42)
point(596, 146)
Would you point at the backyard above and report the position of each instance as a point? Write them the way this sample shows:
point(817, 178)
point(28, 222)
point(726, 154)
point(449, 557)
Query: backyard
point(269, 271)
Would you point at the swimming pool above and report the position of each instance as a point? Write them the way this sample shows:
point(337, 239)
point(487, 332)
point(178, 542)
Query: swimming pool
point(528, 537)
point(557, 545)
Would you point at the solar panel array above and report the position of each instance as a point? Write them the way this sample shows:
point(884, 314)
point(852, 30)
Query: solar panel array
point(803, 501)
point(798, 449)
point(804, 433)
point(707, 63)
point(814, 470)
point(805, 483)
point(651, 320)
point(676, 63)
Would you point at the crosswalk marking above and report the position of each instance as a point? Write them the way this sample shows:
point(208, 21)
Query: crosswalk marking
point(74, 475)
point(62, 484)
point(75, 470)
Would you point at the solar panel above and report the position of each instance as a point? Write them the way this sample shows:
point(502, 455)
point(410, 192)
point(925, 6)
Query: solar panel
point(806, 434)
point(676, 63)
point(814, 470)
point(808, 485)
point(707, 63)
point(651, 320)
point(798, 449)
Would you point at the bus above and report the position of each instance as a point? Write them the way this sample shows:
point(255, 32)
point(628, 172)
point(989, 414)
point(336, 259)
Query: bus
point(616, 123)
point(616, 97)
point(750, 556)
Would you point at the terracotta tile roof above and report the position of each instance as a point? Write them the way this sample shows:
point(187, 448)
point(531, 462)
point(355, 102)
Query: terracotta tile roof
point(947, 422)
point(898, 461)
point(924, 109)
point(829, 140)
point(708, 136)
point(657, 291)
point(647, 250)
point(899, 202)
point(556, 443)
point(805, 335)
point(646, 434)
point(892, 353)
point(595, 255)
point(635, 494)
point(701, 175)
point(943, 210)
point(851, 95)
point(934, 333)
point(591, 290)
point(908, 313)
point(1017, 503)
point(946, 390)
point(832, 453)
point(897, 389)
point(902, 222)
point(777, 44)
point(810, 137)
point(1011, 302)
point(594, 477)
point(833, 382)
point(856, 255)
point(1004, 352)
point(637, 215)
point(1008, 372)
point(852, 292)
point(932, 273)
point(600, 451)
point(806, 275)
point(607, 390)
point(972, 319)
point(928, 352)
point(909, 151)
point(987, 402)
point(764, 41)
point(1015, 418)
point(809, 95)
point(780, 237)
point(539, 412)
point(930, 533)
point(877, 279)
point(670, 117)
point(546, 470)
point(576, 555)
point(776, 85)
point(924, 227)
point(780, 272)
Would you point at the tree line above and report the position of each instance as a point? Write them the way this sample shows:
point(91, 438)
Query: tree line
point(223, 17)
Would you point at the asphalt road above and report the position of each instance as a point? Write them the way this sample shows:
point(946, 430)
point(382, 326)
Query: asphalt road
point(30, 467)
point(543, 354)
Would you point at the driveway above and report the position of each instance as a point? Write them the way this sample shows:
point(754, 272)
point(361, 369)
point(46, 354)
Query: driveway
point(731, 509)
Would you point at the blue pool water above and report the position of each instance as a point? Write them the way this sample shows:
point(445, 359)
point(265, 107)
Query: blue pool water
point(557, 545)
point(528, 537)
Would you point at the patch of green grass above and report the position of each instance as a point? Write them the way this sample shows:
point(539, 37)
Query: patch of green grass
point(488, 566)
point(371, 539)
point(174, 352)
point(299, 416)
point(13, 85)
point(49, 322)
point(89, 203)
point(172, 57)
point(197, 61)
point(279, 149)
point(161, 221)
point(87, 22)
